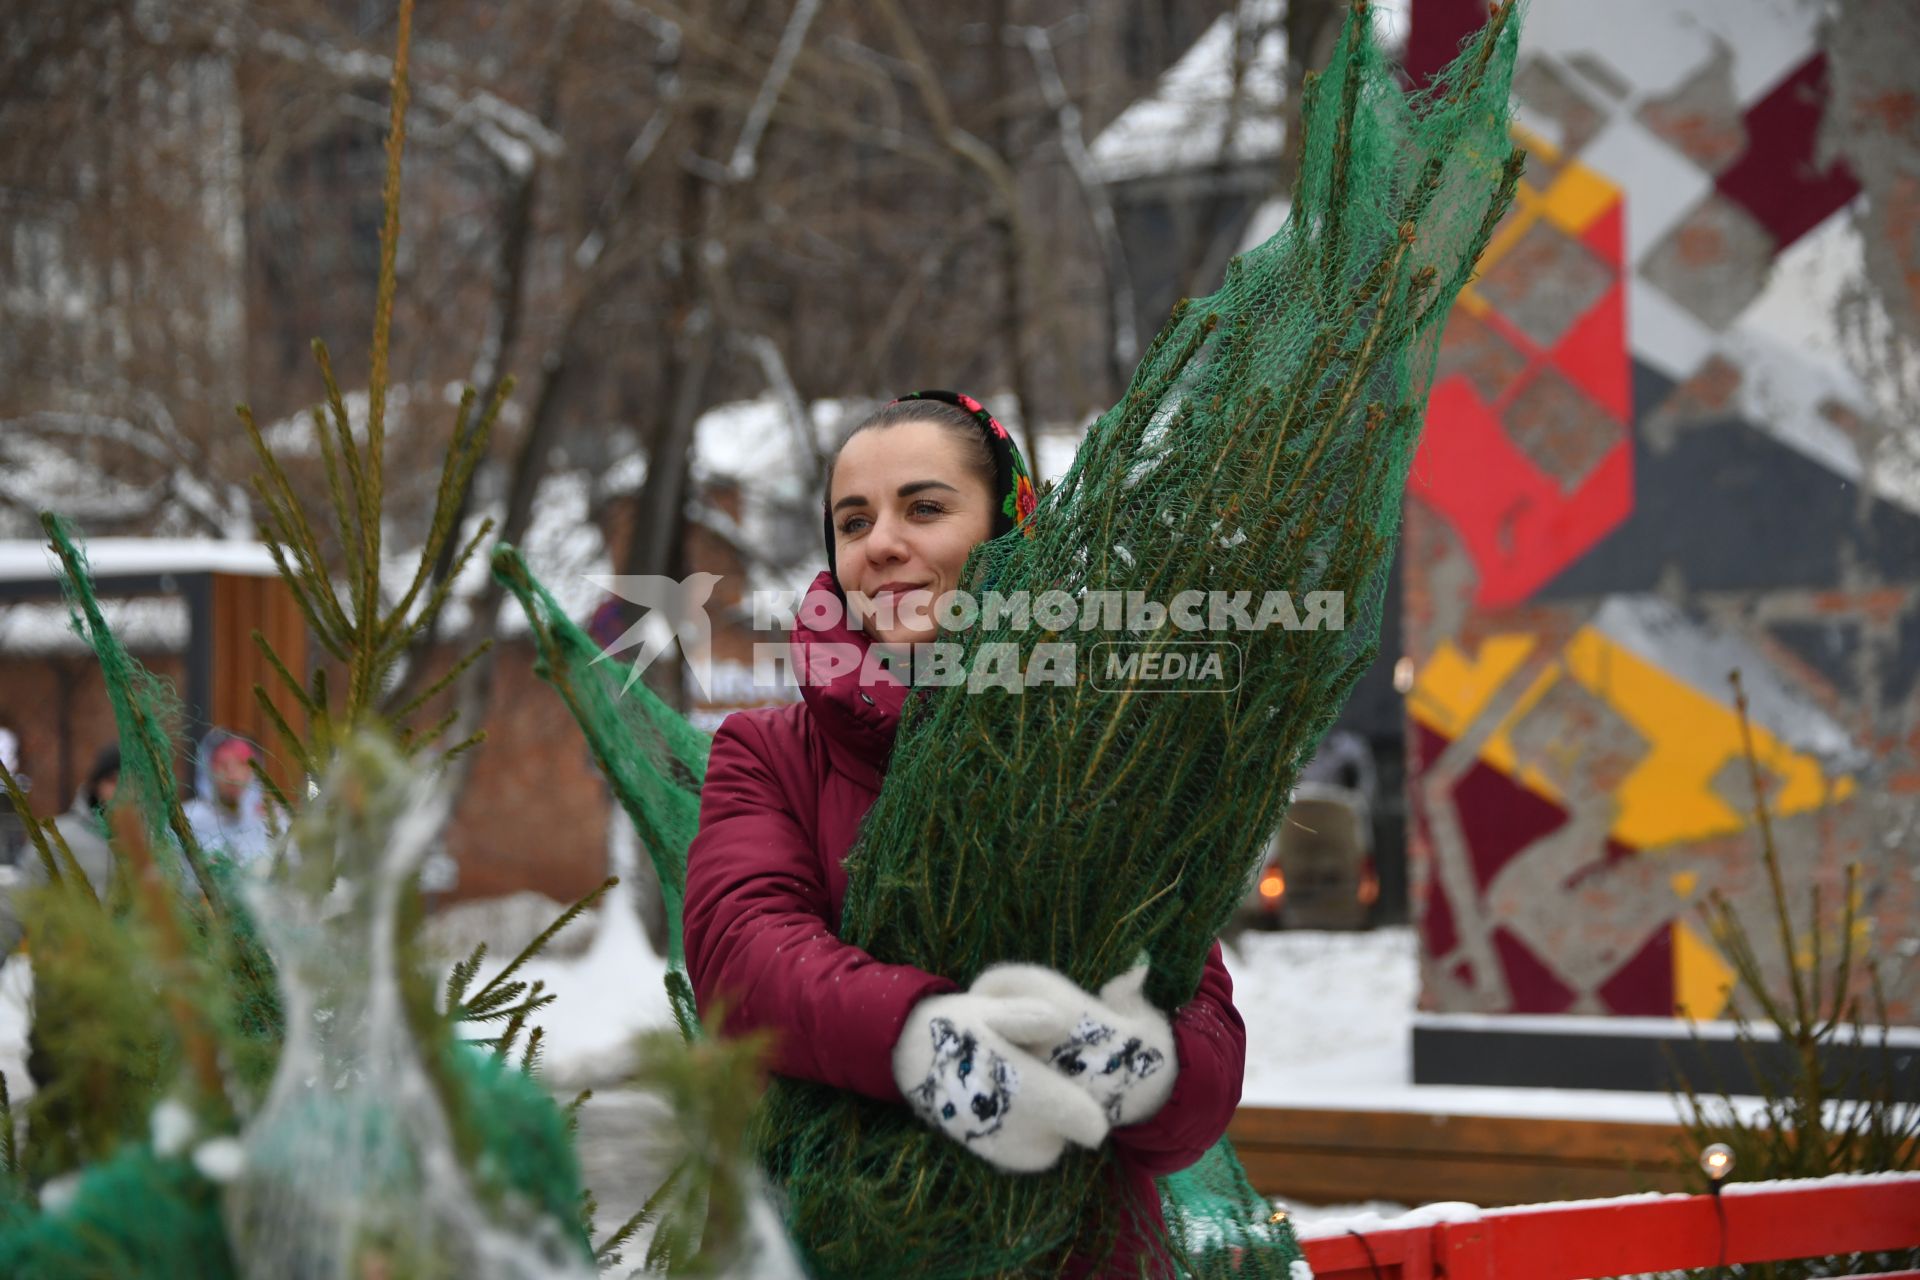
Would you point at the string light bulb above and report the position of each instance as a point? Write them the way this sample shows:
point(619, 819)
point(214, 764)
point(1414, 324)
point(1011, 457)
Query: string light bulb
point(1717, 1162)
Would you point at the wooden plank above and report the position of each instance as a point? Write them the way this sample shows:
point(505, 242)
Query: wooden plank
point(1326, 1157)
point(1422, 1178)
point(1593, 1140)
point(242, 604)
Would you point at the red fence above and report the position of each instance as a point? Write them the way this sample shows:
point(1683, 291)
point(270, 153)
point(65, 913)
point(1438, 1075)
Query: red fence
point(1760, 1222)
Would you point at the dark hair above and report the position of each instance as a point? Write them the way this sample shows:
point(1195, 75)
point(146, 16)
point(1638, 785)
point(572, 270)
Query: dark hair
point(105, 765)
point(956, 421)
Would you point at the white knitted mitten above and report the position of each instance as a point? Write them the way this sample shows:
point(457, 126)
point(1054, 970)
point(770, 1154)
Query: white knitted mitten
point(1119, 1047)
point(959, 1066)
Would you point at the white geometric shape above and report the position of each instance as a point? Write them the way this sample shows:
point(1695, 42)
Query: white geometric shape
point(1662, 186)
point(1662, 332)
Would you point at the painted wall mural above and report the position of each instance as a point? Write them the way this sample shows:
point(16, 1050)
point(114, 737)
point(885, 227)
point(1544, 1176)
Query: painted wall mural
point(1649, 461)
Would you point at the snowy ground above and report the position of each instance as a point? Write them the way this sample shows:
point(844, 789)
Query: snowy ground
point(1329, 1024)
point(608, 994)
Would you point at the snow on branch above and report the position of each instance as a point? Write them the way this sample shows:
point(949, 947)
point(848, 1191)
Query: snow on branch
point(741, 166)
point(513, 136)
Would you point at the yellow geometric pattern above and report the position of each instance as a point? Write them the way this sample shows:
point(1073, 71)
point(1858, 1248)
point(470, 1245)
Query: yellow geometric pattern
point(1453, 688)
point(1668, 797)
point(1702, 981)
point(1572, 201)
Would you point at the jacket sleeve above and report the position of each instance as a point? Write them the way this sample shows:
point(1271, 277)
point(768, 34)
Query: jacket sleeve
point(1210, 1041)
point(759, 937)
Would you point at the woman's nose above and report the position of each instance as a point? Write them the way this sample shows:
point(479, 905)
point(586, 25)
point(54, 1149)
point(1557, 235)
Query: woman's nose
point(885, 540)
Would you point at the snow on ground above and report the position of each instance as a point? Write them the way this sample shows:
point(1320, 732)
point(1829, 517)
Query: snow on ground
point(1324, 1011)
point(606, 996)
point(16, 1015)
point(1329, 1023)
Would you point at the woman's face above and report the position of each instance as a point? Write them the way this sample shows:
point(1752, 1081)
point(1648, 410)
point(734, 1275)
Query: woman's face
point(907, 509)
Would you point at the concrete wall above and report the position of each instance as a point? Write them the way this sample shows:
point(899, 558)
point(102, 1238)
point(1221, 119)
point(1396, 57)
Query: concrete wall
point(1653, 455)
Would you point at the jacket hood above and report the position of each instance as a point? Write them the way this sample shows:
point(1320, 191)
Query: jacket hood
point(857, 707)
point(252, 800)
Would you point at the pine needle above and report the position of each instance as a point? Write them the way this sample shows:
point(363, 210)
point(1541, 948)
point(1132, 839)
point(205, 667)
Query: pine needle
point(462, 975)
point(546, 935)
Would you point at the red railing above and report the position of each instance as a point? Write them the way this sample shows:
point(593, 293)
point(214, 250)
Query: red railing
point(1758, 1222)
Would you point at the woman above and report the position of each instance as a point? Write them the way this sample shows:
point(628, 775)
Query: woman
point(1023, 1063)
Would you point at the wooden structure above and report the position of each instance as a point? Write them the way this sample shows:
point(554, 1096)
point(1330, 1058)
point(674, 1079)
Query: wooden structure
point(1416, 1157)
point(230, 589)
point(1765, 1222)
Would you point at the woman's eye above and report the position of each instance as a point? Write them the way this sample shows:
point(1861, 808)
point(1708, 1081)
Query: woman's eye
point(927, 507)
point(852, 524)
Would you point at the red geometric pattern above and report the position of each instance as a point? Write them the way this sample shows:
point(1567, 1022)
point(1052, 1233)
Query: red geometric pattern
point(1777, 179)
point(1519, 524)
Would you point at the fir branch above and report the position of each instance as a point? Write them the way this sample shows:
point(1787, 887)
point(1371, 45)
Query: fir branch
point(573, 1111)
point(295, 747)
point(589, 1206)
point(465, 745)
point(70, 865)
point(503, 1045)
point(196, 1038)
point(360, 541)
point(9, 1155)
point(441, 591)
point(332, 467)
point(530, 1061)
point(410, 737)
point(607, 1252)
point(456, 474)
point(462, 976)
point(495, 1008)
point(320, 628)
point(293, 686)
point(546, 935)
point(389, 249)
point(34, 831)
point(147, 736)
point(413, 705)
point(491, 1001)
point(277, 495)
point(659, 1256)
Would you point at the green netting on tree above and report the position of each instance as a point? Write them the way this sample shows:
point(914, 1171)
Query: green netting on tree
point(652, 758)
point(136, 1216)
point(375, 1139)
point(1220, 1226)
point(146, 715)
point(1263, 445)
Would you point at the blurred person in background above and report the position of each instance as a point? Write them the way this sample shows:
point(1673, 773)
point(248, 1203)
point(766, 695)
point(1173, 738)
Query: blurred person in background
point(228, 812)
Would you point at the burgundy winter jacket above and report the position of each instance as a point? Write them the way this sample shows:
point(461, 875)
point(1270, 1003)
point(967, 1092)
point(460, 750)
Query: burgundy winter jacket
point(785, 792)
